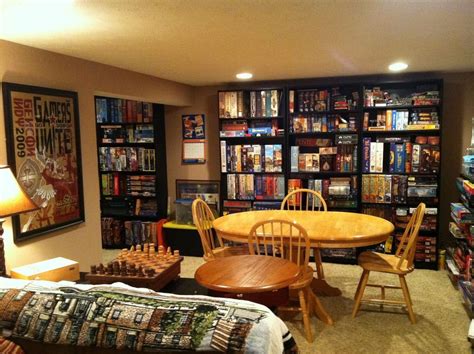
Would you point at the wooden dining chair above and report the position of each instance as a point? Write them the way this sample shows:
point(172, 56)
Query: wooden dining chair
point(401, 263)
point(212, 245)
point(287, 240)
point(307, 199)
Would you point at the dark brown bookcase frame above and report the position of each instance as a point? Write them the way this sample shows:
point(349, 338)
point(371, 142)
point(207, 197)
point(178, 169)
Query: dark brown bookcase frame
point(160, 172)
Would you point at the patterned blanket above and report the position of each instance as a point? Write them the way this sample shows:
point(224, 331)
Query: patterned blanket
point(119, 316)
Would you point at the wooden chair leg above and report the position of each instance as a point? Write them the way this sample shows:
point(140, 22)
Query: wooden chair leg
point(359, 285)
point(406, 295)
point(360, 292)
point(303, 297)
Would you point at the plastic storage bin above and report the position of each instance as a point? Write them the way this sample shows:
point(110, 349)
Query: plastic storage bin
point(184, 214)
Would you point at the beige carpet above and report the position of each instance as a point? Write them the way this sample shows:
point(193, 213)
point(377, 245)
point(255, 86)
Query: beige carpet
point(442, 322)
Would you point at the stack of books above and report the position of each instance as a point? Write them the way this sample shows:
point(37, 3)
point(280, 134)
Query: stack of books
point(421, 156)
point(251, 158)
point(117, 110)
point(250, 187)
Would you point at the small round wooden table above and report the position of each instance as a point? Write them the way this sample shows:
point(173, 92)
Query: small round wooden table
point(261, 279)
point(326, 229)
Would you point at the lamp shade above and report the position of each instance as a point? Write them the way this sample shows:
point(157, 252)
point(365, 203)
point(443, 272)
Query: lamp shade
point(13, 200)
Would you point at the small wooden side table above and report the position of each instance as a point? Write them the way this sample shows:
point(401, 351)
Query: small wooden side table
point(261, 279)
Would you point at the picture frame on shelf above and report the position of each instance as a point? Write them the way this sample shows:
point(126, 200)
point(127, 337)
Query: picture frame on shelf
point(44, 152)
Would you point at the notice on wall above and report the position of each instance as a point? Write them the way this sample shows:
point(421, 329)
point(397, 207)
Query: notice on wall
point(194, 151)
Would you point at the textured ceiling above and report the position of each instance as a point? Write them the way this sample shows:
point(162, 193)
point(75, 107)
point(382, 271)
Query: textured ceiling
point(201, 42)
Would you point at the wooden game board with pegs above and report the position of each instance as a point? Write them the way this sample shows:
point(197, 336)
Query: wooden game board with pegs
point(140, 267)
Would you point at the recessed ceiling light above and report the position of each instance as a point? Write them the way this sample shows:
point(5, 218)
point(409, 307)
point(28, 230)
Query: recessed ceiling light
point(244, 76)
point(398, 66)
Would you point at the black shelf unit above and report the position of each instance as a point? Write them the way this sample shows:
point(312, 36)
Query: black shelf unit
point(400, 121)
point(461, 248)
point(312, 129)
point(257, 131)
point(134, 196)
point(400, 91)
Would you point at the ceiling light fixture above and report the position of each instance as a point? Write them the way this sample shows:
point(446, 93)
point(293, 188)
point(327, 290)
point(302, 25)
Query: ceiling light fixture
point(25, 18)
point(244, 76)
point(398, 66)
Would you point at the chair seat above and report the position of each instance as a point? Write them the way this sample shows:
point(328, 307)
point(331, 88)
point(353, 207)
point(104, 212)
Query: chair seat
point(381, 262)
point(304, 279)
point(227, 251)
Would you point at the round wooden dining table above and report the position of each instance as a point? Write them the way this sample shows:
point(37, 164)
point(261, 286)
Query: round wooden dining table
point(326, 229)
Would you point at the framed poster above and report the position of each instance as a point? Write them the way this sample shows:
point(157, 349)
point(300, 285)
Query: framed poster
point(44, 152)
point(194, 126)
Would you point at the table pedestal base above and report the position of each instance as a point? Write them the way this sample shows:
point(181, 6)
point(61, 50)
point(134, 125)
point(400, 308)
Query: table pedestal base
point(321, 287)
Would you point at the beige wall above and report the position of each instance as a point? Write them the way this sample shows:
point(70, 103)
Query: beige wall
point(205, 101)
point(25, 65)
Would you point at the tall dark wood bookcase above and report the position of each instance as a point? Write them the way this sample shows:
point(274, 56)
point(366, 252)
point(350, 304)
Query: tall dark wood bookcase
point(410, 148)
point(323, 138)
point(131, 150)
point(327, 123)
point(253, 148)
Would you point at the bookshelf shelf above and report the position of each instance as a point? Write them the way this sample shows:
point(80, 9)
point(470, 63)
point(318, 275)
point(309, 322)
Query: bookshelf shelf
point(132, 173)
point(321, 134)
point(403, 174)
point(132, 170)
point(118, 197)
point(408, 205)
point(251, 118)
point(378, 108)
point(255, 173)
point(129, 217)
point(254, 200)
point(421, 232)
point(305, 174)
point(144, 145)
point(125, 124)
point(401, 132)
point(341, 111)
point(256, 138)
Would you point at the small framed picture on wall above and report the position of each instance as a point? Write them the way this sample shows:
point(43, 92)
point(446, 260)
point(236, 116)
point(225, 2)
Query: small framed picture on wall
point(194, 126)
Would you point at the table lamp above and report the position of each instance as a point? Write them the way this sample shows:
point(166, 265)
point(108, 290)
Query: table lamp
point(13, 201)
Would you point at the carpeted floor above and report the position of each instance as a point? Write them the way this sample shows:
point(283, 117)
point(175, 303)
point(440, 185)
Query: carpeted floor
point(442, 322)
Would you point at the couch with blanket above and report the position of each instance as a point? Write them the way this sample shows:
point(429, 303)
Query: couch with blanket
point(44, 316)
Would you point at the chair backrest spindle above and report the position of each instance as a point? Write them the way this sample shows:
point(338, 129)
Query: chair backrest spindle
point(407, 246)
point(203, 218)
point(287, 239)
point(304, 199)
